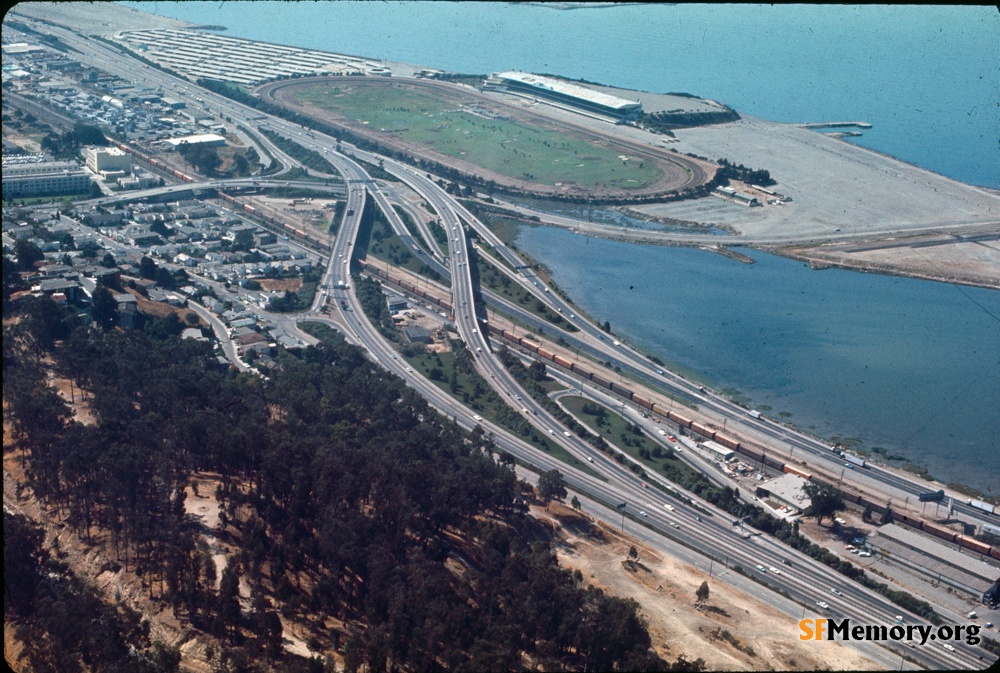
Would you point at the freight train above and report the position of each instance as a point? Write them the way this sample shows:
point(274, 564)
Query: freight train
point(286, 229)
point(407, 286)
point(947, 534)
point(616, 388)
point(683, 422)
point(155, 163)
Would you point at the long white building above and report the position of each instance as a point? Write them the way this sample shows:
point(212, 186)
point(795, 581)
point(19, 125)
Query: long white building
point(568, 93)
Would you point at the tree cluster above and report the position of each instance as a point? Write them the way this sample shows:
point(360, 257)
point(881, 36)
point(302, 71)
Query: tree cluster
point(331, 470)
point(203, 157)
point(667, 121)
point(67, 145)
point(730, 171)
point(64, 624)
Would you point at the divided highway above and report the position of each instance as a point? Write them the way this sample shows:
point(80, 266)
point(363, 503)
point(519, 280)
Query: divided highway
point(700, 528)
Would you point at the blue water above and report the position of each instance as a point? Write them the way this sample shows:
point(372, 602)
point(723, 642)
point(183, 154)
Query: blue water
point(926, 77)
point(908, 365)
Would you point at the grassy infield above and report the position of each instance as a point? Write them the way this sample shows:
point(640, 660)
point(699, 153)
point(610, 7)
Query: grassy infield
point(507, 147)
point(516, 150)
point(500, 145)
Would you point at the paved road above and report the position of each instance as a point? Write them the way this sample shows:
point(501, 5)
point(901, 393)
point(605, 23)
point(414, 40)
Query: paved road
point(699, 526)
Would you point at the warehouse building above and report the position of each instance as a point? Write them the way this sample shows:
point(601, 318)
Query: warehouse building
point(207, 139)
point(567, 93)
point(787, 490)
point(716, 451)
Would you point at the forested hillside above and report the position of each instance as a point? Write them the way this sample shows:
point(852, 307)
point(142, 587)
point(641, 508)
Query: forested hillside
point(355, 507)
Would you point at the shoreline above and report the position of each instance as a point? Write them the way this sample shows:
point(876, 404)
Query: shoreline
point(885, 459)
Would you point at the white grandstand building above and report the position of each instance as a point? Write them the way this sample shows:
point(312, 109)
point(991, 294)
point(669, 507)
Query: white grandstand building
point(559, 91)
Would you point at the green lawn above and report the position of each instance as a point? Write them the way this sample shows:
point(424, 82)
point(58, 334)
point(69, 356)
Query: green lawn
point(507, 147)
point(616, 430)
point(501, 284)
point(388, 247)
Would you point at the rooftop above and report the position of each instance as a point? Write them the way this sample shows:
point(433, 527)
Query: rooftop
point(570, 89)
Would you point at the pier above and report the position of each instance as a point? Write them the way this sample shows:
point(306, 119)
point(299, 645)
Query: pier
point(835, 125)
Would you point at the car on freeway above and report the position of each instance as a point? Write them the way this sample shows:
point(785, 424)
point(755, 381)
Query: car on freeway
point(642, 512)
point(774, 570)
point(675, 524)
point(761, 569)
point(835, 592)
point(409, 369)
point(822, 604)
point(948, 646)
point(552, 432)
point(670, 508)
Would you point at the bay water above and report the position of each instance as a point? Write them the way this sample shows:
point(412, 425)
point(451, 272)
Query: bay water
point(911, 366)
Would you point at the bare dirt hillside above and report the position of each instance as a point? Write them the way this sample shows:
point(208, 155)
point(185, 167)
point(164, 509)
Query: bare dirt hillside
point(731, 632)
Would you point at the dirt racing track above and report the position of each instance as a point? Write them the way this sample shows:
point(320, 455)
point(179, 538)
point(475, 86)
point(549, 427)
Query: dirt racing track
point(678, 172)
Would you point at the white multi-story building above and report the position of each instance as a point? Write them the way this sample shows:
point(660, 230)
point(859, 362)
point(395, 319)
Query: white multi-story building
point(107, 159)
point(52, 177)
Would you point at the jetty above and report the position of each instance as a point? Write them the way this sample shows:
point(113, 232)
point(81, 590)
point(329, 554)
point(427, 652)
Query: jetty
point(834, 125)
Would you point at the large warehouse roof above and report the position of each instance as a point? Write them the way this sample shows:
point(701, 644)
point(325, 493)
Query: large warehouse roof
point(210, 138)
point(569, 89)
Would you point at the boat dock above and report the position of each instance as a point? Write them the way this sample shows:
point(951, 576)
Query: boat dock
point(835, 125)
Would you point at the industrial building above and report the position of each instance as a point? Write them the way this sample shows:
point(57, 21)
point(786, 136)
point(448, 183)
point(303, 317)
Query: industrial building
point(739, 197)
point(934, 558)
point(42, 179)
point(207, 139)
point(566, 93)
point(786, 490)
point(103, 160)
point(717, 451)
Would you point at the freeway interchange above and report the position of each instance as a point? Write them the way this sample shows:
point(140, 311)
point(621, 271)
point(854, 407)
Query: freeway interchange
point(693, 531)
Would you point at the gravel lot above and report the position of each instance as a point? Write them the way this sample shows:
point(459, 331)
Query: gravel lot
point(836, 187)
point(97, 18)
